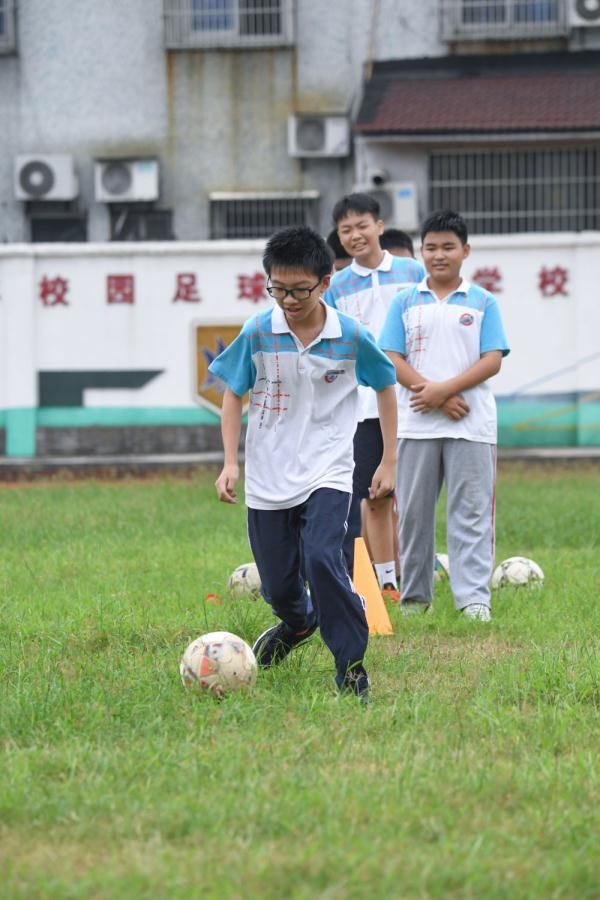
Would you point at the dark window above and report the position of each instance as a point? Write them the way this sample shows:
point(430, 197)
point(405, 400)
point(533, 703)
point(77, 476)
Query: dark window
point(500, 192)
point(130, 223)
point(54, 221)
point(259, 217)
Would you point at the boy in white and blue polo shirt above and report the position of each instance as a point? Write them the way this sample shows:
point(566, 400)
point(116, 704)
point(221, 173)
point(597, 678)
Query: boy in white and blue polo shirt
point(446, 339)
point(364, 290)
point(302, 363)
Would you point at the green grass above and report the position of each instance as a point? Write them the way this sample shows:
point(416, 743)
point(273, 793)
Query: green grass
point(473, 773)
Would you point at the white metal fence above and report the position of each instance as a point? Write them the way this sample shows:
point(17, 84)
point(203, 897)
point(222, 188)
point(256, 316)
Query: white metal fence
point(507, 191)
point(227, 23)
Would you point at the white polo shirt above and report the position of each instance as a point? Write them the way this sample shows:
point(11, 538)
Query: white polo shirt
point(302, 405)
point(442, 339)
point(366, 294)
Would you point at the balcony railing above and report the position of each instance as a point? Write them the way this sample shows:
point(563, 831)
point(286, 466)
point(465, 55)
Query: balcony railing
point(484, 20)
point(206, 24)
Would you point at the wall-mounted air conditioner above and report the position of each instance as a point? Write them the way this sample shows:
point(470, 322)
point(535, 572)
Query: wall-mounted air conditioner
point(318, 135)
point(48, 176)
point(583, 13)
point(125, 180)
point(397, 201)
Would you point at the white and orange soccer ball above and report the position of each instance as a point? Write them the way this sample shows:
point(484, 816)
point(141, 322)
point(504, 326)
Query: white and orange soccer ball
point(244, 581)
point(218, 662)
point(518, 571)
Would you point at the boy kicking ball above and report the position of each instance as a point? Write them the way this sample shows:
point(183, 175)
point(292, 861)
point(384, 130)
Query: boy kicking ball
point(446, 340)
point(302, 362)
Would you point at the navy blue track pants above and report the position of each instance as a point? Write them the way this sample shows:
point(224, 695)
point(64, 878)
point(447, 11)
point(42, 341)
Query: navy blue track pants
point(304, 543)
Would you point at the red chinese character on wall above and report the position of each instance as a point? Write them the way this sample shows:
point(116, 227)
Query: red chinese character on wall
point(120, 289)
point(553, 281)
point(53, 291)
point(489, 279)
point(252, 287)
point(186, 289)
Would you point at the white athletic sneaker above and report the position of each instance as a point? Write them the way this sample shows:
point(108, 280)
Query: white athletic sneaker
point(478, 611)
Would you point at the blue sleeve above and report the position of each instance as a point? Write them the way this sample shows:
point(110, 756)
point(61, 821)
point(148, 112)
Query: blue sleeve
point(373, 368)
point(492, 336)
point(234, 366)
point(393, 333)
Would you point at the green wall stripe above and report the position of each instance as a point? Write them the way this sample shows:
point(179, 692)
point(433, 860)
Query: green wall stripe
point(115, 416)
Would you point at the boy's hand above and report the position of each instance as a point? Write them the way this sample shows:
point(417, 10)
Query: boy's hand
point(384, 481)
point(225, 483)
point(455, 408)
point(428, 395)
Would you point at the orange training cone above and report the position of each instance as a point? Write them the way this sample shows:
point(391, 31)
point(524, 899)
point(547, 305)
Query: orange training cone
point(366, 584)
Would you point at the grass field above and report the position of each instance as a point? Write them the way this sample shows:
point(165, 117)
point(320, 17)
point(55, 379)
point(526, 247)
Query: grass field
point(474, 773)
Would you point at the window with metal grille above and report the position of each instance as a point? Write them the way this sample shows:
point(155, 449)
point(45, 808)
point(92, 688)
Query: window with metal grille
point(227, 23)
point(259, 215)
point(500, 192)
point(502, 19)
point(7, 26)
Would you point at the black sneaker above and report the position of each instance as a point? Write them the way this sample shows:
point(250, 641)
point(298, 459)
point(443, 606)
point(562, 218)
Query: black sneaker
point(355, 681)
point(275, 643)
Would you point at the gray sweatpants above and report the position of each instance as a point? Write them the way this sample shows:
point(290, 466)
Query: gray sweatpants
point(469, 470)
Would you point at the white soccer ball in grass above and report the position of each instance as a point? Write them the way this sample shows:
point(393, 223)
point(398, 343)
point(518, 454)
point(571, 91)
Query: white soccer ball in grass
point(218, 662)
point(518, 571)
point(244, 581)
point(441, 569)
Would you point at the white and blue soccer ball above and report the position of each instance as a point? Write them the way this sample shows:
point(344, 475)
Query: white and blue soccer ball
point(244, 581)
point(518, 571)
point(219, 663)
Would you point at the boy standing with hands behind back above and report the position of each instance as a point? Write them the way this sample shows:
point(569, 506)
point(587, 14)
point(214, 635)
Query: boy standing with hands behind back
point(446, 339)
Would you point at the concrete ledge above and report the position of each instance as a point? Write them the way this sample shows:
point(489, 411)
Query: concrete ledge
point(113, 466)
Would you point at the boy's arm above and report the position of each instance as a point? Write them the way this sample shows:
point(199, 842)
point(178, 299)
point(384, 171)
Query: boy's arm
point(430, 395)
point(384, 477)
point(231, 429)
point(454, 406)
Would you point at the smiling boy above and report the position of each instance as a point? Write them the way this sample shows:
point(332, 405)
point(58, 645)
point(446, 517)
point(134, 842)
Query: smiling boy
point(302, 363)
point(446, 340)
point(364, 290)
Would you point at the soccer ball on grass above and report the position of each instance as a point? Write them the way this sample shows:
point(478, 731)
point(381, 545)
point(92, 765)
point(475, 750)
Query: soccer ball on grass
point(218, 662)
point(518, 571)
point(441, 568)
point(244, 581)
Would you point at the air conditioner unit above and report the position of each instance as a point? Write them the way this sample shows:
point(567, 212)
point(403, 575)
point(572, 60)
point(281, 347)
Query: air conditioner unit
point(125, 180)
point(397, 201)
point(584, 13)
point(45, 177)
point(318, 136)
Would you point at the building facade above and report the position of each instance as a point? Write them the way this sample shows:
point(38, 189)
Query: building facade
point(212, 119)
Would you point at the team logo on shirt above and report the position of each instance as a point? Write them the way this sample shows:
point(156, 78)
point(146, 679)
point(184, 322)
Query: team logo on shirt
point(332, 374)
point(466, 319)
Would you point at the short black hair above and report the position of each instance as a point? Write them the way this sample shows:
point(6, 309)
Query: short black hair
point(336, 245)
point(394, 237)
point(298, 247)
point(358, 203)
point(446, 220)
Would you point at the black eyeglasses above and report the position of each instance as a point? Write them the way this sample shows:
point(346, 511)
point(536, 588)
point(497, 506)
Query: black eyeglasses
point(299, 294)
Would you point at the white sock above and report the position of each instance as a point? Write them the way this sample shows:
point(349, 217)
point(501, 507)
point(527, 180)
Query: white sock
point(386, 573)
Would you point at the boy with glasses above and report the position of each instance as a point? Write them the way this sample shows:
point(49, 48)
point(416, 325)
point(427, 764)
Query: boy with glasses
point(302, 363)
